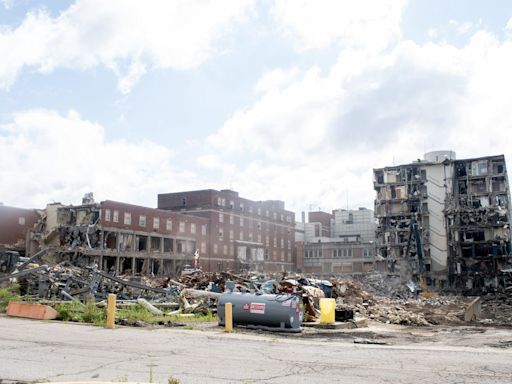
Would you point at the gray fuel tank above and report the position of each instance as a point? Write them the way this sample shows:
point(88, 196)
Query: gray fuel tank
point(283, 311)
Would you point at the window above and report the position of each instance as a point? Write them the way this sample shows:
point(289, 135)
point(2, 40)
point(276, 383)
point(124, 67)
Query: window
point(142, 221)
point(282, 243)
point(231, 250)
point(241, 221)
point(367, 252)
point(250, 236)
point(221, 233)
point(192, 228)
point(250, 209)
point(127, 218)
point(274, 215)
point(282, 255)
point(107, 214)
point(259, 237)
point(267, 240)
point(231, 219)
point(258, 224)
point(21, 220)
point(267, 213)
point(221, 217)
point(275, 241)
point(182, 226)
point(241, 206)
point(203, 230)
point(231, 204)
point(219, 201)
point(168, 225)
point(215, 249)
point(225, 249)
point(241, 235)
point(289, 244)
point(183, 201)
point(116, 217)
point(203, 247)
point(223, 202)
point(282, 217)
point(231, 235)
point(156, 223)
point(259, 211)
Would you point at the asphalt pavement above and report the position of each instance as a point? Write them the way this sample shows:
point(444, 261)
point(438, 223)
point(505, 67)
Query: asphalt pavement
point(56, 351)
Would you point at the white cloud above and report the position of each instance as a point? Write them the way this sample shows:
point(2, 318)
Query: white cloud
point(316, 133)
point(7, 3)
point(319, 24)
point(48, 157)
point(156, 34)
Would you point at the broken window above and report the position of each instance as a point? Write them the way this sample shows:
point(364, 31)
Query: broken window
point(221, 233)
point(127, 218)
point(183, 201)
point(168, 246)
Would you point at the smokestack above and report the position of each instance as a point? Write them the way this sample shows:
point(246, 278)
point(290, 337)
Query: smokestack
point(303, 216)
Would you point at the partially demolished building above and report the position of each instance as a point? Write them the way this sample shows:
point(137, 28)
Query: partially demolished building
point(119, 238)
point(15, 223)
point(445, 219)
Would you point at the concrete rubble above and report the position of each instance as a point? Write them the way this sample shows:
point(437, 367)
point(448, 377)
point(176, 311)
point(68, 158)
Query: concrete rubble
point(376, 297)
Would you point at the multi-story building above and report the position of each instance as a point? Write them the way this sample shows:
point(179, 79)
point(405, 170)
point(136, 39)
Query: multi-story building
point(243, 234)
point(426, 212)
point(349, 223)
point(326, 257)
point(478, 222)
point(120, 237)
point(319, 224)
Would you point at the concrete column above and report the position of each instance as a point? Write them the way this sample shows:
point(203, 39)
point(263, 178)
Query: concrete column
point(117, 265)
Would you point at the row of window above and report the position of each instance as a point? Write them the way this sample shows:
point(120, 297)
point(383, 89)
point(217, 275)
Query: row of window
point(127, 220)
point(221, 202)
point(250, 238)
point(241, 221)
point(341, 252)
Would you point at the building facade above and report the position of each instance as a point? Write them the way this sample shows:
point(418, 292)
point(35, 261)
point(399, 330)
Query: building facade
point(243, 234)
point(426, 212)
point(351, 223)
point(120, 238)
point(15, 223)
point(327, 257)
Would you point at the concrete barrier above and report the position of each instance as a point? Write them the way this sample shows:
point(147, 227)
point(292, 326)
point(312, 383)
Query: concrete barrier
point(31, 311)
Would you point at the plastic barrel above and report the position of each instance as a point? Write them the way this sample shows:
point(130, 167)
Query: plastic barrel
point(327, 311)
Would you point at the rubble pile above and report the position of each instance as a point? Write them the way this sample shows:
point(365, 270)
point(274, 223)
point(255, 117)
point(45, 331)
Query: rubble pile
point(497, 308)
point(355, 295)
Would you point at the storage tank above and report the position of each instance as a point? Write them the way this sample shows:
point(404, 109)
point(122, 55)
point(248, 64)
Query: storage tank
point(282, 311)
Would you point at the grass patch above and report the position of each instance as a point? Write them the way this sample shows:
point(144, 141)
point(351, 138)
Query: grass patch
point(9, 293)
point(137, 312)
point(84, 313)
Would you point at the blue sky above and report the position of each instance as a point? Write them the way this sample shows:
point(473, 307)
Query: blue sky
point(290, 100)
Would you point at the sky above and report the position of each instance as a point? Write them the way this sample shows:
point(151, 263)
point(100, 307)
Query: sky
point(289, 100)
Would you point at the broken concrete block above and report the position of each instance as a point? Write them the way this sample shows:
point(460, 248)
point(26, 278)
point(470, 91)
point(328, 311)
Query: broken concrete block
point(31, 311)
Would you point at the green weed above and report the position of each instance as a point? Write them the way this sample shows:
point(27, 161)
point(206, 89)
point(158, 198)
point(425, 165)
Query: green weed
point(9, 293)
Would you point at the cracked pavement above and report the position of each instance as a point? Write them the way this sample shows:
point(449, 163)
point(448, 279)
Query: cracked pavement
point(56, 351)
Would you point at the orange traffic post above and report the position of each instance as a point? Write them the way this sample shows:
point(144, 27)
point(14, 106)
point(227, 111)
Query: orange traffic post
point(111, 311)
point(228, 313)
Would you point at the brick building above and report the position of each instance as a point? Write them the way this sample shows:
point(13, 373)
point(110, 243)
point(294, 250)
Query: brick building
point(243, 234)
point(14, 225)
point(121, 238)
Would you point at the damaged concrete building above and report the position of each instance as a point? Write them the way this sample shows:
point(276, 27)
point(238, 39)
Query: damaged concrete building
point(444, 219)
point(120, 238)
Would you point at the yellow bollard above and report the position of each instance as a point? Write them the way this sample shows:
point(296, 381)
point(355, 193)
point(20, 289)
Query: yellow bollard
point(228, 315)
point(111, 310)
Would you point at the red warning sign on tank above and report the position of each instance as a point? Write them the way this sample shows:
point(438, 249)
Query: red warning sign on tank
point(257, 308)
